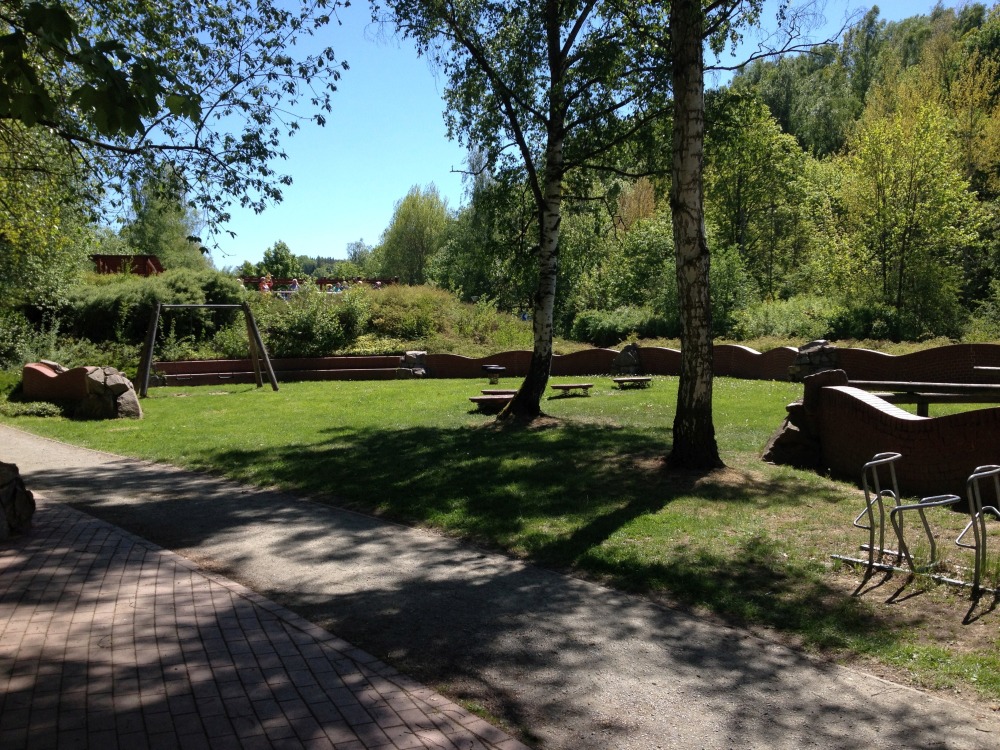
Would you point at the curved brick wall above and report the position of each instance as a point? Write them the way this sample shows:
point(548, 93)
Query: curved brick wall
point(457, 366)
point(736, 361)
point(950, 364)
point(584, 362)
point(938, 453)
point(943, 364)
point(658, 360)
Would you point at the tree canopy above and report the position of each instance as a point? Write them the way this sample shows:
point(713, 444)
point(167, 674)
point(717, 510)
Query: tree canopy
point(542, 90)
point(208, 87)
point(417, 231)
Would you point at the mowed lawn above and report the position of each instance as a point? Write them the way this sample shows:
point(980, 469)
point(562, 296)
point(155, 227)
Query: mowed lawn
point(587, 492)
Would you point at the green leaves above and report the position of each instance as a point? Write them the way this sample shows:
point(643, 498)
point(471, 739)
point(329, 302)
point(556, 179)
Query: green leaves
point(207, 88)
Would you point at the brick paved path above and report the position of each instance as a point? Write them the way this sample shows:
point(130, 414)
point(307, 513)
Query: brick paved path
point(109, 641)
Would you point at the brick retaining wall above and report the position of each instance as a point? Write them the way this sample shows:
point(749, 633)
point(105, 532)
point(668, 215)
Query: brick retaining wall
point(943, 364)
point(950, 364)
point(938, 453)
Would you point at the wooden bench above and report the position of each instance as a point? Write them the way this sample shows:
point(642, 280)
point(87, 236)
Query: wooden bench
point(498, 392)
point(568, 388)
point(633, 381)
point(491, 403)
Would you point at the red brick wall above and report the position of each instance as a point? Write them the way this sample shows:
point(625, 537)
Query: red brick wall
point(938, 453)
point(943, 364)
point(950, 364)
point(584, 362)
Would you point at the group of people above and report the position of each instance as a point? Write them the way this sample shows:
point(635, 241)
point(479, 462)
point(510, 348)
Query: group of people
point(266, 286)
point(343, 286)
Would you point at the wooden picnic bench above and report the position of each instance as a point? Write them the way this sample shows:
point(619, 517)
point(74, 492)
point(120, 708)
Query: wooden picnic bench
point(568, 388)
point(491, 403)
point(633, 381)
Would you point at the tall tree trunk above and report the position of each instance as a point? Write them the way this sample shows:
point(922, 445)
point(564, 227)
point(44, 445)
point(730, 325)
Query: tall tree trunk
point(694, 445)
point(526, 404)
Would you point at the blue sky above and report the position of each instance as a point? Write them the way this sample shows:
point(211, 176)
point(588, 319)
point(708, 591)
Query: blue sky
point(386, 134)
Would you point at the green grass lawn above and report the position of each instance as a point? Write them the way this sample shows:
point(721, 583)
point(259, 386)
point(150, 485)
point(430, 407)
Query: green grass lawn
point(587, 493)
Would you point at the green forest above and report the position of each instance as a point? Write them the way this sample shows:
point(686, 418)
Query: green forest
point(852, 191)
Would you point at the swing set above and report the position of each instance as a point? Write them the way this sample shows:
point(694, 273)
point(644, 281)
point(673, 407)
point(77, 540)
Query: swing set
point(258, 352)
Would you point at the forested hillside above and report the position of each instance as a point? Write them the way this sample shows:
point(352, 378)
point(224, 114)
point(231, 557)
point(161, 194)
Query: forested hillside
point(851, 191)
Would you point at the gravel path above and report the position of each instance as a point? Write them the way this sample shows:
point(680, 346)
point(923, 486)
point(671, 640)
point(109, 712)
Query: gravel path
point(568, 664)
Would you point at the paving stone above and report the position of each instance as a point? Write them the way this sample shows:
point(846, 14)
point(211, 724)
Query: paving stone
point(109, 641)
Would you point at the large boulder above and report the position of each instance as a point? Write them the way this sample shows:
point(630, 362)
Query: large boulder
point(627, 362)
point(797, 442)
point(414, 365)
point(17, 505)
point(88, 392)
point(110, 395)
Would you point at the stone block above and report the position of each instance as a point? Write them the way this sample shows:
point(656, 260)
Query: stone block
point(17, 504)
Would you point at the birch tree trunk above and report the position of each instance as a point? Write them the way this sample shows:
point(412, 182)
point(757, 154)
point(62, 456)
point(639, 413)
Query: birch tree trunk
point(694, 445)
point(526, 404)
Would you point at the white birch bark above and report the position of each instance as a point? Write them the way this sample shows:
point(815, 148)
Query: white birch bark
point(694, 444)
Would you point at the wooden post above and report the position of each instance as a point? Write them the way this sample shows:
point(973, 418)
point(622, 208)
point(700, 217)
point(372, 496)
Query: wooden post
point(146, 360)
point(254, 351)
point(258, 342)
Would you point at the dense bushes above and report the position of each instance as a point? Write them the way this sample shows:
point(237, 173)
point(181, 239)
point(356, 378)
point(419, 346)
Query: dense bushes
point(610, 327)
point(800, 317)
point(118, 308)
point(16, 338)
point(372, 321)
point(308, 324)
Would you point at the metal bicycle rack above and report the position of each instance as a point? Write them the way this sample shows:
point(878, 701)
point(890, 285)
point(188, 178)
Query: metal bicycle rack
point(977, 516)
point(873, 478)
point(874, 496)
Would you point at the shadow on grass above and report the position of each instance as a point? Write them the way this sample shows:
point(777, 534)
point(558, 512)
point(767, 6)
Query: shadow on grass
point(496, 632)
point(556, 496)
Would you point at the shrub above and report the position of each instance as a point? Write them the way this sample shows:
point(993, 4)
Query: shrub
point(307, 325)
point(30, 409)
point(17, 339)
point(800, 317)
point(230, 342)
point(609, 327)
point(865, 321)
point(118, 308)
point(80, 353)
point(984, 324)
point(404, 312)
point(354, 309)
point(10, 381)
point(481, 329)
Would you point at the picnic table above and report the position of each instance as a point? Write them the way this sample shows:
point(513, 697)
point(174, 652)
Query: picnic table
point(568, 388)
point(633, 381)
point(924, 394)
